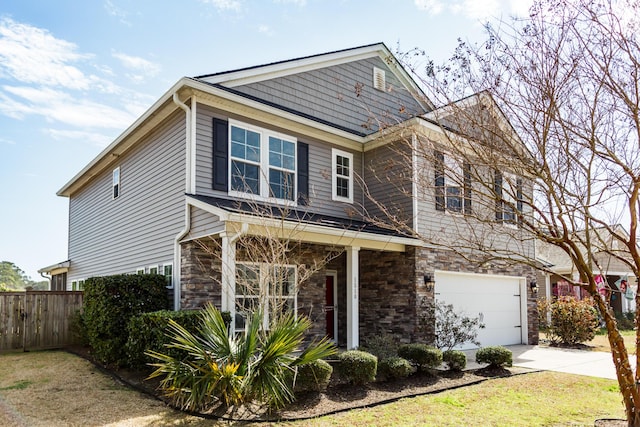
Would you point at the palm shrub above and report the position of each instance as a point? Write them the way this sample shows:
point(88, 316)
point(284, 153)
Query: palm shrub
point(235, 369)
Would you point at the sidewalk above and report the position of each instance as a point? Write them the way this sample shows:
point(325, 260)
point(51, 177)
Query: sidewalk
point(579, 362)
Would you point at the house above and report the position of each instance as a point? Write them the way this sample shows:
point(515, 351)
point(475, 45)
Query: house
point(619, 284)
point(286, 150)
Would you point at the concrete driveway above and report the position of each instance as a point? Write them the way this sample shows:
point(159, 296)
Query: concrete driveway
point(579, 362)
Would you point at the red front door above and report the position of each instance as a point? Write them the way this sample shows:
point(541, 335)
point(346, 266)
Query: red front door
point(329, 308)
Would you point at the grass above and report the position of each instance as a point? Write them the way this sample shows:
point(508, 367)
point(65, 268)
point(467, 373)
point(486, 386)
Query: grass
point(601, 341)
point(57, 388)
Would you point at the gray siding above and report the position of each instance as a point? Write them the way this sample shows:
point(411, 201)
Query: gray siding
point(342, 95)
point(388, 176)
point(319, 166)
point(108, 236)
point(203, 223)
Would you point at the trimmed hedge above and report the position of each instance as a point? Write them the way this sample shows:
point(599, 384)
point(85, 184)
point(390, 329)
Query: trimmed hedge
point(109, 304)
point(394, 367)
point(456, 360)
point(495, 356)
point(314, 376)
point(357, 367)
point(421, 355)
point(148, 331)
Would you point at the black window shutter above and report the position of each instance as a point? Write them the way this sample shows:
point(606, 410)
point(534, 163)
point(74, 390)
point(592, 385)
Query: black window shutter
point(519, 200)
point(467, 188)
point(497, 187)
point(220, 154)
point(439, 180)
point(303, 173)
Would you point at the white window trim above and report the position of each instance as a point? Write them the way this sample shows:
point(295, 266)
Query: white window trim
point(334, 175)
point(161, 271)
point(263, 282)
point(263, 165)
point(76, 283)
point(509, 196)
point(141, 270)
point(157, 267)
point(115, 183)
point(453, 178)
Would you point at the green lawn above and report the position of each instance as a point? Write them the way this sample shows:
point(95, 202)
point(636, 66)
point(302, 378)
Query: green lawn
point(537, 399)
point(57, 388)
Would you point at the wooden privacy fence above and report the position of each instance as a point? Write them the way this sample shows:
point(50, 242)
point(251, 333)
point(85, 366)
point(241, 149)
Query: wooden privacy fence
point(37, 320)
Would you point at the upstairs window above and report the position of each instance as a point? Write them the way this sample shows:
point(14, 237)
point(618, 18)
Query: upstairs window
point(342, 176)
point(509, 198)
point(262, 163)
point(452, 184)
point(116, 182)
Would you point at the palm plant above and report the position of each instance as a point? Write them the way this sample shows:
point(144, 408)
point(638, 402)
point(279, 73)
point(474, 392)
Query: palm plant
point(222, 368)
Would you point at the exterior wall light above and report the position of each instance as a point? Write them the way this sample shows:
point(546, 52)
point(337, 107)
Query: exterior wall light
point(534, 287)
point(428, 282)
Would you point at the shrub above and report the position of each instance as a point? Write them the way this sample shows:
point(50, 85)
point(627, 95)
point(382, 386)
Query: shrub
point(394, 367)
point(109, 303)
point(234, 369)
point(456, 360)
point(626, 321)
point(78, 329)
point(313, 376)
point(452, 328)
point(148, 331)
point(572, 321)
point(357, 367)
point(382, 346)
point(421, 355)
point(495, 356)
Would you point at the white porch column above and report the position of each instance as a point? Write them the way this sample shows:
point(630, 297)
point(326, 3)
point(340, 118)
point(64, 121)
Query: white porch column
point(228, 258)
point(353, 279)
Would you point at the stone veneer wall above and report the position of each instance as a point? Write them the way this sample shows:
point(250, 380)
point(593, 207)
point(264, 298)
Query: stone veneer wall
point(387, 295)
point(201, 275)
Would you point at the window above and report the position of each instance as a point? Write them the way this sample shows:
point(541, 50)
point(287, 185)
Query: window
point(116, 182)
point(262, 163)
point(509, 198)
point(153, 269)
point(342, 176)
point(167, 270)
point(264, 286)
point(77, 285)
point(141, 270)
point(452, 184)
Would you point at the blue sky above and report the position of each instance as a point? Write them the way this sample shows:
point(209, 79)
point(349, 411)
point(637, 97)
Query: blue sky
point(75, 74)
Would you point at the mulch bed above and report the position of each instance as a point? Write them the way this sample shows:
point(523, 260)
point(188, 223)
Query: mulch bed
point(337, 397)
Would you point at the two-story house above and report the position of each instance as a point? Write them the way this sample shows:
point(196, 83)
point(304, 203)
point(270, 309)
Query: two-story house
point(182, 188)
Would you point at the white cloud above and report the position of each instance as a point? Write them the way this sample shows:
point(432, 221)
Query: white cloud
point(116, 11)
point(224, 4)
point(58, 106)
point(142, 68)
point(93, 138)
point(7, 141)
point(476, 9)
point(296, 2)
point(265, 29)
point(33, 55)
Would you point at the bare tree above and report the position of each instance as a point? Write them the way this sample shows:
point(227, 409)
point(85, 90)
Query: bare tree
point(538, 139)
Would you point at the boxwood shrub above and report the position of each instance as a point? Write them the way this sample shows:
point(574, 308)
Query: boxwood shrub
point(357, 367)
point(495, 356)
point(394, 367)
point(148, 331)
point(109, 304)
point(421, 355)
point(314, 376)
point(456, 360)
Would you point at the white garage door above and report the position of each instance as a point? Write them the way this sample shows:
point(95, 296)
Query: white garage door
point(495, 299)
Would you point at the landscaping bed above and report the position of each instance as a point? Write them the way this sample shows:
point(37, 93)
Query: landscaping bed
point(337, 398)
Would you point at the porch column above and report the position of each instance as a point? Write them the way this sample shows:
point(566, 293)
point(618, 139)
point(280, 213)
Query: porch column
point(228, 258)
point(353, 276)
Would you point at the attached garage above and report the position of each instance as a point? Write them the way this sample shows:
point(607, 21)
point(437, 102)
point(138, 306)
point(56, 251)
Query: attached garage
point(499, 302)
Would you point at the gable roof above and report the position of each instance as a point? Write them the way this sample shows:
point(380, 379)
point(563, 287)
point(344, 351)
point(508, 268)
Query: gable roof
point(258, 73)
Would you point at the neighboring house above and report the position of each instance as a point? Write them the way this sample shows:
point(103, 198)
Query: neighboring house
point(296, 135)
point(619, 285)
